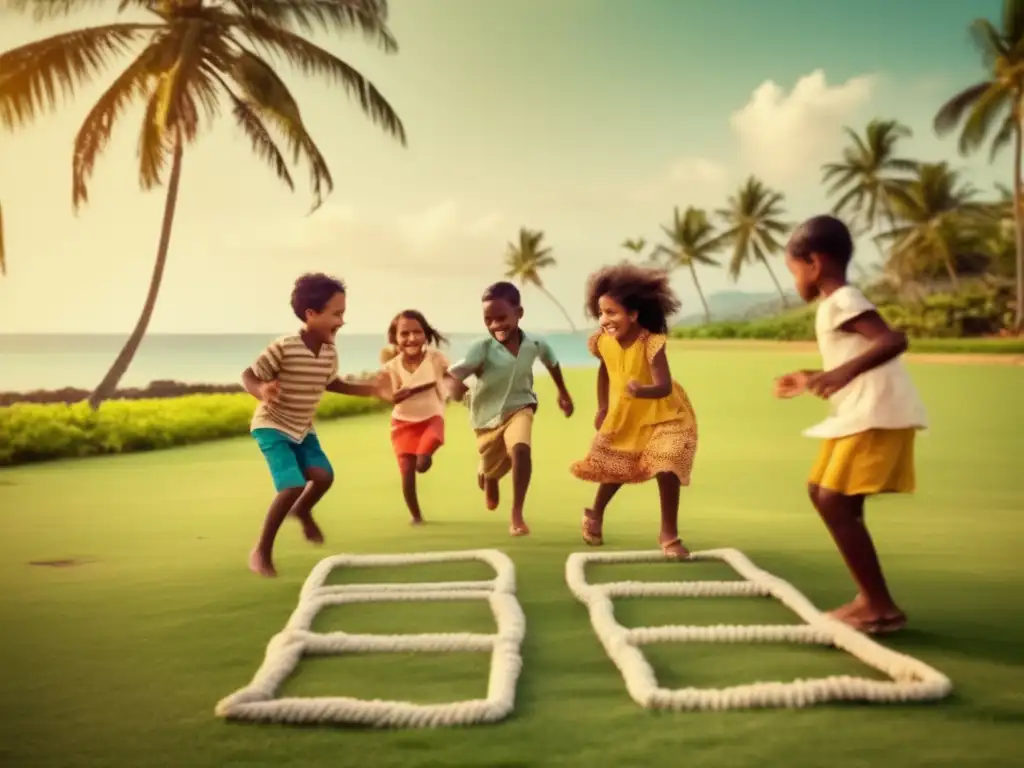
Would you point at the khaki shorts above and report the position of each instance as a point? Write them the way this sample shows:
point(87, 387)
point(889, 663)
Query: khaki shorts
point(495, 445)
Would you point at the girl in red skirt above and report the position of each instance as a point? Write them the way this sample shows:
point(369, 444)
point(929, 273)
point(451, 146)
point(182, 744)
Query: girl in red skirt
point(418, 372)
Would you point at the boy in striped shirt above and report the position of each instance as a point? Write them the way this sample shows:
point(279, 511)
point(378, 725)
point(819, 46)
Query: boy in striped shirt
point(289, 378)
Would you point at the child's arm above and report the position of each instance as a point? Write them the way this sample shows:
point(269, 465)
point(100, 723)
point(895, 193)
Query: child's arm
point(374, 388)
point(550, 360)
point(662, 386)
point(470, 365)
point(886, 344)
point(260, 379)
point(602, 395)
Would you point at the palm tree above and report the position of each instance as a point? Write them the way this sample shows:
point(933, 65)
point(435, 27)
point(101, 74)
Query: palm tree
point(990, 110)
point(635, 244)
point(869, 171)
point(753, 228)
point(692, 241)
point(936, 215)
point(525, 261)
point(196, 57)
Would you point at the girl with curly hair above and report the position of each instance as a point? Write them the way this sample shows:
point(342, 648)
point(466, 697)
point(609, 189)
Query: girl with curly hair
point(646, 426)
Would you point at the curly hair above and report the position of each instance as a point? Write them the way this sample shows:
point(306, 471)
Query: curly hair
point(433, 335)
point(503, 291)
point(312, 291)
point(644, 290)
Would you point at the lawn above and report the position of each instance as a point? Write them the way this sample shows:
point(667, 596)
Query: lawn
point(119, 661)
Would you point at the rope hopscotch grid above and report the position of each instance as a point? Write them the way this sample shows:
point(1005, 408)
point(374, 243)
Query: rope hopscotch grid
point(257, 702)
point(911, 680)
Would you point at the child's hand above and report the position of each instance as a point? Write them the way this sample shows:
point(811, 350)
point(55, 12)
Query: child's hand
point(791, 385)
point(270, 391)
point(633, 387)
point(401, 395)
point(602, 414)
point(381, 386)
point(826, 383)
point(457, 390)
point(565, 403)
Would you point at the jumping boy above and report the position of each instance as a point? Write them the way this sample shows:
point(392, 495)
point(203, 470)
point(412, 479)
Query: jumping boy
point(503, 401)
point(868, 440)
point(289, 378)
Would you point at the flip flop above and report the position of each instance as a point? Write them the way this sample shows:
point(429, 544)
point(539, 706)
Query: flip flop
point(591, 529)
point(674, 549)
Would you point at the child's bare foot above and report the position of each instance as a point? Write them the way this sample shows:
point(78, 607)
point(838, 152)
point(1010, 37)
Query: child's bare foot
point(424, 463)
point(312, 532)
point(260, 564)
point(519, 527)
point(417, 521)
point(673, 547)
point(857, 604)
point(865, 618)
point(490, 488)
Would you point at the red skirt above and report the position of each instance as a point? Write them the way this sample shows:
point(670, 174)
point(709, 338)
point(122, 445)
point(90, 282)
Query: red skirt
point(417, 438)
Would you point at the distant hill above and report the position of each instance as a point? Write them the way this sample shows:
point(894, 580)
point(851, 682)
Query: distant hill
point(736, 305)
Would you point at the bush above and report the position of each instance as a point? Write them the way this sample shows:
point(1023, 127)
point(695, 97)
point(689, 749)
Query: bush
point(37, 432)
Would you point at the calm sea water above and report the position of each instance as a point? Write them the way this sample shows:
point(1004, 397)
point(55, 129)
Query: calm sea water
point(50, 362)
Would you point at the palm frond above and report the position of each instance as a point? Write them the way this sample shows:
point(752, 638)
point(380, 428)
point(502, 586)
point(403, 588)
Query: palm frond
point(951, 113)
point(44, 10)
point(31, 75)
point(987, 40)
point(313, 60)
point(988, 108)
point(263, 144)
point(367, 16)
point(1003, 136)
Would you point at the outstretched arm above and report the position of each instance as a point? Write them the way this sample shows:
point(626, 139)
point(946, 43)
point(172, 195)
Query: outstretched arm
point(368, 389)
point(886, 344)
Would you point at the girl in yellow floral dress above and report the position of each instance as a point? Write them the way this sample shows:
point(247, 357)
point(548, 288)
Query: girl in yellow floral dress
point(646, 427)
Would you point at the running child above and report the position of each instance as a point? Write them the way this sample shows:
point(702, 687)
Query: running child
point(417, 371)
point(646, 427)
point(868, 440)
point(289, 378)
point(503, 402)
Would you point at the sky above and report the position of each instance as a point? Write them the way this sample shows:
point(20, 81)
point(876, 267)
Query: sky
point(588, 119)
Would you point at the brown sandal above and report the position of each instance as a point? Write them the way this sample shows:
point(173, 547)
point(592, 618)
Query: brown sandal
point(674, 549)
point(591, 529)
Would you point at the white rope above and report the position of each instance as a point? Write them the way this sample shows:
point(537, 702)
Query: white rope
point(911, 680)
point(257, 702)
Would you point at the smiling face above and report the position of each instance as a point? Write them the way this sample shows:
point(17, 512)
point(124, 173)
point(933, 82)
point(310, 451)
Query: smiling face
point(326, 324)
point(502, 319)
point(615, 320)
point(410, 336)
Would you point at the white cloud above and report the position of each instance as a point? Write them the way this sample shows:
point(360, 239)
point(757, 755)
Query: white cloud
point(785, 137)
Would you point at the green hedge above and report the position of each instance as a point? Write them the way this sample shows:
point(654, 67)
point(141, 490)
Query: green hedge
point(33, 432)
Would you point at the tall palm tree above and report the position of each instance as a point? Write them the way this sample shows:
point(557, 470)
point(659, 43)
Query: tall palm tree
point(991, 110)
point(692, 240)
point(524, 262)
point(635, 244)
point(191, 59)
point(754, 227)
point(935, 217)
point(869, 171)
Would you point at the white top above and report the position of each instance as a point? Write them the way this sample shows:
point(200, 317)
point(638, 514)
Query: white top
point(882, 398)
point(423, 405)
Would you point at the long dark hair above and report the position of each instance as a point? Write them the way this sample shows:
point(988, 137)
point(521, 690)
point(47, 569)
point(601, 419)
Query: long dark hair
point(433, 335)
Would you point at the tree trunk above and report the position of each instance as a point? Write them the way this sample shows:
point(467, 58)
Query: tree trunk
point(558, 304)
point(778, 287)
point(109, 383)
point(1018, 200)
point(696, 283)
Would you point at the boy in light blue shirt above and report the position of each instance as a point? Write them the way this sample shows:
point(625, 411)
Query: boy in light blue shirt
point(503, 401)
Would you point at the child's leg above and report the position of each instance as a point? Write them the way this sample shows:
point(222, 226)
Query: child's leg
point(407, 466)
point(494, 463)
point(668, 491)
point(319, 474)
point(593, 519)
point(518, 438)
point(844, 518)
point(431, 440)
point(289, 483)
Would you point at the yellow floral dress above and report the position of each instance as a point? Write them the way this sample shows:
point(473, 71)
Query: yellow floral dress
point(640, 438)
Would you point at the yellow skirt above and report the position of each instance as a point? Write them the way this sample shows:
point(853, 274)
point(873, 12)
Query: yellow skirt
point(869, 462)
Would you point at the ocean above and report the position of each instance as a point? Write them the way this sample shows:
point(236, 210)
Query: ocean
point(30, 362)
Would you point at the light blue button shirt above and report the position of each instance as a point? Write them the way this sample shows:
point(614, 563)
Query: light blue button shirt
point(504, 381)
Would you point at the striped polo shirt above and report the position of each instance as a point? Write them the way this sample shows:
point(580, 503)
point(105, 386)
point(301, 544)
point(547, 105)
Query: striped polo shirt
point(303, 378)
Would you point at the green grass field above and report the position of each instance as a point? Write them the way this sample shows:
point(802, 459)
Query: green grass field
point(120, 660)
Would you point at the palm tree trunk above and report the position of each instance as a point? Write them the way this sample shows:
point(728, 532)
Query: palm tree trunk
point(558, 304)
point(1018, 200)
point(109, 383)
point(774, 280)
point(696, 283)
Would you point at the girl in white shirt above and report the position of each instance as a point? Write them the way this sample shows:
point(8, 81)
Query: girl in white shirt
point(417, 372)
point(868, 438)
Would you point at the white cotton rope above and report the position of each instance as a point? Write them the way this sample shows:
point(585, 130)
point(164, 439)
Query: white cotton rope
point(911, 680)
point(257, 702)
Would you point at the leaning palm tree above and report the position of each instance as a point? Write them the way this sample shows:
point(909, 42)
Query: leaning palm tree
point(525, 261)
point(191, 59)
point(692, 241)
point(754, 227)
point(869, 171)
point(936, 216)
point(991, 111)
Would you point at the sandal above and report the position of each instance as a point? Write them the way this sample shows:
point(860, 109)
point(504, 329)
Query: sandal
point(674, 549)
point(591, 530)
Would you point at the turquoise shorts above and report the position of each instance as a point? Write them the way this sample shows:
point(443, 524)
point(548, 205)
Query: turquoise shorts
point(289, 460)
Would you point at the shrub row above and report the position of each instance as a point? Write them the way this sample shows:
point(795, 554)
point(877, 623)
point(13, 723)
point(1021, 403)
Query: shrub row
point(31, 432)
